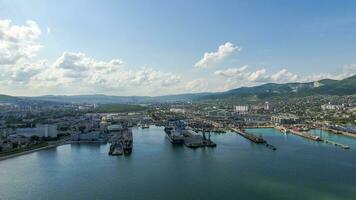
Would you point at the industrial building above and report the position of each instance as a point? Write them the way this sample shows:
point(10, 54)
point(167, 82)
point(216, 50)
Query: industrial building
point(285, 119)
point(89, 136)
point(41, 130)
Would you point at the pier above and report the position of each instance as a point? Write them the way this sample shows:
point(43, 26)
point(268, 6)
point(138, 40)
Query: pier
point(195, 141)
point(248, 136)
point(306, 135)
point(337, 144)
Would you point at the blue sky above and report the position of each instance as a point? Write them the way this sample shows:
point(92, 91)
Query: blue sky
point(306, 39)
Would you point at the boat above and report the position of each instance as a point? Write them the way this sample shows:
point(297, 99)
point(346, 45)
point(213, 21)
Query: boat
point(116, 149)
point(145, 126)
point(175, 137)
point(121, 139)
point(127, 141)
point(168, 130)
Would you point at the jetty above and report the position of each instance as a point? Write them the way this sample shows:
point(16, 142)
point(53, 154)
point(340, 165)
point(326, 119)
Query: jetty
point(337, 144)
point(305, 135)
point(248, 136)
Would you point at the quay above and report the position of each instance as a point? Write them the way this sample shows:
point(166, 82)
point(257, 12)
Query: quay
point(259, 126)
point(248, 136)
point(306, 135)
point(339, 132)
point(195, 141)
point(281, 129)
point(49, 146)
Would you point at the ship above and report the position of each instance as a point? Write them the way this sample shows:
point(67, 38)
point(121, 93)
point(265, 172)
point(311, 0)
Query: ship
point(121, 139)
point(168, 130)
point(175, 137)
point(116, 149)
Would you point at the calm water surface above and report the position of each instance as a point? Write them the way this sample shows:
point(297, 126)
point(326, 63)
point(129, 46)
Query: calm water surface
point(235, 169)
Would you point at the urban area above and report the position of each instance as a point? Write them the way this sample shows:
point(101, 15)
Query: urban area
point(26, 127)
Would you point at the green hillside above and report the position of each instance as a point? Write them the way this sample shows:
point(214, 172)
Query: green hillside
point(279, 91)
point(7, 98)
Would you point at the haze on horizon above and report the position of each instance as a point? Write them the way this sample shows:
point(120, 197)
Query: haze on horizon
point(169, 47)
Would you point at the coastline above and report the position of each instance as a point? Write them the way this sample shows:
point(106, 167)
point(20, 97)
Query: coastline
point(340, 132)
point(45, 147)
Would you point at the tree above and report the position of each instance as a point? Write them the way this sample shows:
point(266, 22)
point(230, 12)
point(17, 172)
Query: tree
point(34, 138)
point(15, 145)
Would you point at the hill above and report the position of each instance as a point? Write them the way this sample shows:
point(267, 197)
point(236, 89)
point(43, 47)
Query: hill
point(269, 91)
point(273, 90)
point(7, 98)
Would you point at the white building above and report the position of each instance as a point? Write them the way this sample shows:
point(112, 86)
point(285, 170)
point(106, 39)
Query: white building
point(47, 130)
point(329, 106)
point(242, 108)
point(177, 110)
point(266, 107)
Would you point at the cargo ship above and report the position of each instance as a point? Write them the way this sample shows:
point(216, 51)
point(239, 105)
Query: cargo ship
point(174, 136)
point(121, 139)
point(116, 149)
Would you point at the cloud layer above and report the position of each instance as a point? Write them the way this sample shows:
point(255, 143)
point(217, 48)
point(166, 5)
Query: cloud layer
point(72, 72)
point(21, 73)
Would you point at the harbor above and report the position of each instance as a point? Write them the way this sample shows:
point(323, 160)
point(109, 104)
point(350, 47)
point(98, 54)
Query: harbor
point(235, 161)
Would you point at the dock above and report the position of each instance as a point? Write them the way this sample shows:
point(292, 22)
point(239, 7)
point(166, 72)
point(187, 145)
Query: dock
point(248, 136)
point(306, 135)
point(337, 144)
point(282, 129)
point(195, 141)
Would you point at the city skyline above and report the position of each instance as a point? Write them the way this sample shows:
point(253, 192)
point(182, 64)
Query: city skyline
point(157, 48)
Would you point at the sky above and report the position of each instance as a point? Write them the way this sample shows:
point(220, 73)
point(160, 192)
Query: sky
point(156, 47)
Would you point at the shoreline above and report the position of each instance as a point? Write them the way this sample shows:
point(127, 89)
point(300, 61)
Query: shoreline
point(337, 132)
point(46, 147)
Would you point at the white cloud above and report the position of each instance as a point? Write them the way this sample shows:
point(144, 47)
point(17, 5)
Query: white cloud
point(224, 51)
point(237, 77)
point(197, 85)
point(72, 72)
point(18, 43)
point(232, 72)
point(348, 70)
point(82, 73)
point(284, 76)
point(258, 76)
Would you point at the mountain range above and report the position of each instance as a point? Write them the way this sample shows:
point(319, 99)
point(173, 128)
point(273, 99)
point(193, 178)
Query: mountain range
point(263, 92)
